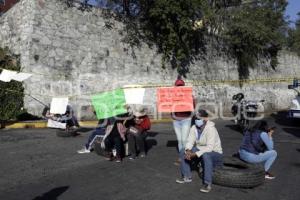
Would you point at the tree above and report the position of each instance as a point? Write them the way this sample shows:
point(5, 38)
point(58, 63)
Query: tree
point(255, 30)
point(294, 37)
point(11, 93)
point(250, 30)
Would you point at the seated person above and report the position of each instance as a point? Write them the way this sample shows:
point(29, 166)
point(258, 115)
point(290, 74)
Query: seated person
point(258, 147)
point(114, 137)
point(203, 145)
point(98, 132)
point(136, 133)
point(69, 117)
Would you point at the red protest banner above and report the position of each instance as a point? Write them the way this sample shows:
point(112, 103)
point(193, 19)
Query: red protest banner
point(175, 99)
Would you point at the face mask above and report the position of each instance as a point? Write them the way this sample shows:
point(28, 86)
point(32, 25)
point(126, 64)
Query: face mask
point(199, 122)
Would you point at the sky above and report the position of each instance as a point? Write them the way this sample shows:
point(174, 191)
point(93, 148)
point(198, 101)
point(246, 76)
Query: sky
point(292, 9)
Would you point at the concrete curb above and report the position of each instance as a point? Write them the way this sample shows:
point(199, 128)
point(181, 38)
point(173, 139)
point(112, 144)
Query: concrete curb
point(43, 124)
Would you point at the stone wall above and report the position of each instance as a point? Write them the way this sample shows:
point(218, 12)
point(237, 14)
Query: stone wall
point(78, 53)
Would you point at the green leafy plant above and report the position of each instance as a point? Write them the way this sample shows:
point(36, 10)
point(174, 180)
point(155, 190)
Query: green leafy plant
point(293, 40)
point(11, 93)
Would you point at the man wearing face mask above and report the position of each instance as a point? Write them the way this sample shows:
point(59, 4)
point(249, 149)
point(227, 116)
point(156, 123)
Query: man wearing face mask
point(203, 145)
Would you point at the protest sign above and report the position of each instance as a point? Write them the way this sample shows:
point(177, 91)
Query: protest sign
point(109, 104)
point(134, 95)
point(55, 124)
point(175, 99)
point(59, 105)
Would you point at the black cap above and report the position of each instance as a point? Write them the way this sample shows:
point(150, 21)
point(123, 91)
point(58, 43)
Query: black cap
point(202, 113)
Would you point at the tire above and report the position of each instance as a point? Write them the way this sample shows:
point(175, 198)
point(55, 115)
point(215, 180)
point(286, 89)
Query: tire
point(66, 133)
point(238, 174)
point(97, 147)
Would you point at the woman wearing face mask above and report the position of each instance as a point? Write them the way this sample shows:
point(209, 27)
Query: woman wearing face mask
point(203, 145)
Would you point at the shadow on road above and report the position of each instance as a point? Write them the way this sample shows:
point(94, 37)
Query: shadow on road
point(282, 119)
point(235, 128)
point(84, 129)
point(172, 143)
point(151, 134)
point(150, 143)
point(293, 131)
point(298, 150)
point(52, 194)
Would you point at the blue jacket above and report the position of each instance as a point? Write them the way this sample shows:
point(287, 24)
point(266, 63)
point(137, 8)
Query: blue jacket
point(253, 142)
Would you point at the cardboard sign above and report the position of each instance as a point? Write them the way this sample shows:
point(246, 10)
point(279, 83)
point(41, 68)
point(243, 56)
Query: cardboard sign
point(55, 124)
point(109, 104)
point(59, 105)
point(175, 99)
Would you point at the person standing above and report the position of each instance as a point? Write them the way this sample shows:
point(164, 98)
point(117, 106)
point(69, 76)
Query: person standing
point(181, 123)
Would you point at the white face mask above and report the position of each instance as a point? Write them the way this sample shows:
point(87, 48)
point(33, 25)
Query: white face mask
point(199, 122)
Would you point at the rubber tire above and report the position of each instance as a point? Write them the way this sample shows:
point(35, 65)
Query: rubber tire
point(97, 147)
point(238, 174)
point(66, 133)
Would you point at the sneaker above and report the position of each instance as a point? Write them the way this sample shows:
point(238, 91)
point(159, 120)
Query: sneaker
point(269, 176)
point(108, 156)
point(183, 180)
point(142, 155)
point(131, 157)
point(206, 188)
point(177, 162)
point(84, 150)
point(118, 159)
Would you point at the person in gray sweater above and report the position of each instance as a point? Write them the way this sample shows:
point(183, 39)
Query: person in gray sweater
point(203, 145)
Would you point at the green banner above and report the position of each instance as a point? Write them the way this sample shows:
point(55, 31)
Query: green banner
point(109, 104)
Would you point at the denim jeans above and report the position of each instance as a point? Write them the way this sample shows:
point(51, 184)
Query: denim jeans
point(182, 129)
point(99, 132)
point(268, 157)
point(209, 162)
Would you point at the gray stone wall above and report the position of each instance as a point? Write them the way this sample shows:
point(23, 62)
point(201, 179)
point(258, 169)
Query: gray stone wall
point(74, 53)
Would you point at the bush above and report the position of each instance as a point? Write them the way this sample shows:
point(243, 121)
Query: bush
point(11, 93)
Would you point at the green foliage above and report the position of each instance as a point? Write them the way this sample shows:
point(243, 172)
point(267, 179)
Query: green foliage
point(250, 30)
point(294, 37)
point(255, 31)
point(11, 93)
point(169, 24)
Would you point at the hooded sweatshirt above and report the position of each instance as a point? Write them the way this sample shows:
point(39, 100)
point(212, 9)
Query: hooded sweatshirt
point(209, 140)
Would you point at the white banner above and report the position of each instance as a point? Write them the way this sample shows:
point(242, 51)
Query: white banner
point(21, 76)
point(7, 75)
point(59, 105)
point(134, 95)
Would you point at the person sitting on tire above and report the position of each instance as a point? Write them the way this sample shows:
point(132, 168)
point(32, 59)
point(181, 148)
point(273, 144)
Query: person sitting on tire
point(136, 134)
point(258, 147)
point(98, 132)
point(203, 145)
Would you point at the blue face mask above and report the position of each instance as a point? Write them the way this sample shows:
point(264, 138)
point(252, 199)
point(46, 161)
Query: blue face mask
point(199, 122)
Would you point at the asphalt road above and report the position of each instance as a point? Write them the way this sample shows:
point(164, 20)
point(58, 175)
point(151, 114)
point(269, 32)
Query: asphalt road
point(36, 164)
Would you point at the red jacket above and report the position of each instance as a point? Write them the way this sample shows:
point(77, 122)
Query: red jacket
point(145, 124)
